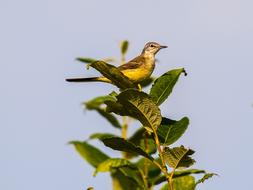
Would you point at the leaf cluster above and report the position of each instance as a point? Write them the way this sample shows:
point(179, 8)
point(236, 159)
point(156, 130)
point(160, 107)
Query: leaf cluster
point(150, 144)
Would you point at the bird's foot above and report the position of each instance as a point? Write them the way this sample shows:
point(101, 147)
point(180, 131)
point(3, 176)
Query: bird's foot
point(139, 88)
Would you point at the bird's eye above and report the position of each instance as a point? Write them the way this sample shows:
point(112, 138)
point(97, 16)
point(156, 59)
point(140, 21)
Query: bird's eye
point(152, 45)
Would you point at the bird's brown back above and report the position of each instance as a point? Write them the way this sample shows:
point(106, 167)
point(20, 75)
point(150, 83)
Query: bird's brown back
point(133, 64)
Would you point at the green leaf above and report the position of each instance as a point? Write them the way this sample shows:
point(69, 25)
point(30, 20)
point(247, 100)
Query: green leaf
point(95, 104)
point(153, 170)
point(147, 82)
point(163, 85)
point(138, 139)
point(86, 59)
point(182, 183)
point(138, 105)
point(113, 73)
point(109, 117)
point(205, 177)
point(178, 157)
point(187, 172)
point(110, 163)
point(137, 136)
point(170, 130)
point(150, 143)
point(98, 101)
point(177, 174)
point(101, 136)
point(124, 47)
point(91, 154)
point(122, 182)
point(121, 144)
point(116, 107)
point(134, 175)
point(113, 94)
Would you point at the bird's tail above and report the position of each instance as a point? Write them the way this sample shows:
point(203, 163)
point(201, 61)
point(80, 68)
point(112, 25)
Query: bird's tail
point(91, 79)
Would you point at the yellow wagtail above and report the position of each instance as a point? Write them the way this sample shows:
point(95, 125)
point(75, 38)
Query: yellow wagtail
point(137, 70)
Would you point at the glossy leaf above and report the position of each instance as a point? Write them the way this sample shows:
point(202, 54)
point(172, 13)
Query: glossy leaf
point(138, 105)
point(163, 85)
point(170, 130)
point(110, 163)
point(91, 154)
point(178, 157)
point(182, 183)
point(121, 144)
point(113, 73)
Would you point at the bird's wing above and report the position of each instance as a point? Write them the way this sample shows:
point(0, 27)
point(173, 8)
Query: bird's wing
point(133, 64)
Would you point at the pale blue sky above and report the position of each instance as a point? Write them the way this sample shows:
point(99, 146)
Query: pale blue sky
point(40, 112)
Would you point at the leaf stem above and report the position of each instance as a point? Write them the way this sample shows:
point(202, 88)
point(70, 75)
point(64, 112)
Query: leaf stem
point(144, 178)
point(159, 149)
point(163, 166)
point(171, 179)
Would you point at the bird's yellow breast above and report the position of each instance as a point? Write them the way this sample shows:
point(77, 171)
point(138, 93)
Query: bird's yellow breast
point(141, 73)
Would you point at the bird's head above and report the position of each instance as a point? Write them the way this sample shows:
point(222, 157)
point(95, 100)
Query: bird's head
point(151, 48)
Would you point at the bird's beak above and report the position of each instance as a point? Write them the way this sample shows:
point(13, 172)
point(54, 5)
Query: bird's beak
point(161, 47)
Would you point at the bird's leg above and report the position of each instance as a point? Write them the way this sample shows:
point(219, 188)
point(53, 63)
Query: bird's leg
point(139, 87)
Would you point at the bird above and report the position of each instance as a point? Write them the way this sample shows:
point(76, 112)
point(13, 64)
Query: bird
point(137, 70)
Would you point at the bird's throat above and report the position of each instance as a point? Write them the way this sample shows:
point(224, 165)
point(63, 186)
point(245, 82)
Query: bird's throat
point(149, 59)
point(148, 55)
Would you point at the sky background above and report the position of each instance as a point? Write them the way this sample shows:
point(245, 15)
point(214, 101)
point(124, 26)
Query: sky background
point(40, 112)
